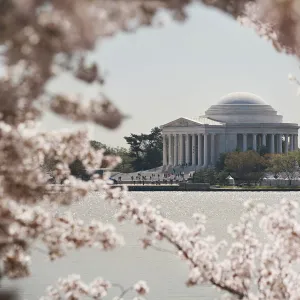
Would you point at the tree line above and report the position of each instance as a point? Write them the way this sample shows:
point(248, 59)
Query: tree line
point(250, 167)
point(145, 152)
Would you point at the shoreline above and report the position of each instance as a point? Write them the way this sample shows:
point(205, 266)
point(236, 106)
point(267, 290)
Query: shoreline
point(188, 187)
point(178, 188)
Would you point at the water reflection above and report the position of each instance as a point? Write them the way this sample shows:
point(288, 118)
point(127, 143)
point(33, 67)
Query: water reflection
point(164, 273)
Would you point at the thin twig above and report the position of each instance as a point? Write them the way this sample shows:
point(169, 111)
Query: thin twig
point(40, 250)
point(162, 249)
point(125, 292)
point(118, 286)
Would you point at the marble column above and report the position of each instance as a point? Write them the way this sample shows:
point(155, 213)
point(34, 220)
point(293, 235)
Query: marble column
point(292, 142)
point(244, 142)
point(272, 143)
point(254, 142)
point(170, 150)
point(205, 150)
point(286, 144)
point(178, 149)
point(293, 139)
point(175, 159)
point(212, 150)
point(187, 148)
point(264, 139)
point(193, 149)
point(165, 154)
point(181, 149)
point(279, 143)
point(296, 142)
point(199, 149)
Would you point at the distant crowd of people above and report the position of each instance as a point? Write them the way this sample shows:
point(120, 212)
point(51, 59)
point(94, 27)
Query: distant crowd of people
point(156, 178)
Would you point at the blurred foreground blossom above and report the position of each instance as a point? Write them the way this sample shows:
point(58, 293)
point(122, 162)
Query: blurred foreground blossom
point(40, 39)
point(276, 20)
point(74, 288)
point(141, 287)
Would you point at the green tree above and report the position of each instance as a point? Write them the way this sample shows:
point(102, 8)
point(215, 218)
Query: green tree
point(263, 150)
point(97, 145)
point(246, 166)
point(285, 164)
point(206, 176)
point(211, 176)
point(220, 164)
point(273, 166)
point(78, 170)
point(146, 149)
point(199, 176)
point(126, 165)
point(222, 177)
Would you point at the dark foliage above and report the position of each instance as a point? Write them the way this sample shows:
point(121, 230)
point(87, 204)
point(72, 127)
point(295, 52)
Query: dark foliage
point(146, 149)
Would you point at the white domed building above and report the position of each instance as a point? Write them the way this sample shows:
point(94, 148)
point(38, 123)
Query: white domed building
point(238, 121)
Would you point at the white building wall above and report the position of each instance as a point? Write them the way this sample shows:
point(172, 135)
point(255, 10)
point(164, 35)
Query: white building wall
point(226, 139)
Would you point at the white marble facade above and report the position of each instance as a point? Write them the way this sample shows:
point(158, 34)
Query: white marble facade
point(239, 121)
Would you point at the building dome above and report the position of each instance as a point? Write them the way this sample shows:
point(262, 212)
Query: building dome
point(241, 98)
point(242, 107)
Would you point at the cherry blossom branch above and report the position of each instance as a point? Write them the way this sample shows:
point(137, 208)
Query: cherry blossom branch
point(74, 287)
point(211, 280)
point(125, 291)
point(148, 243)
point(40, 250)
point(161, 249)
point(38, 40)
point(177, 235)
point(119, 286)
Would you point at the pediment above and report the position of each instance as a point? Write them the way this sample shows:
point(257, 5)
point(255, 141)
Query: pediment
point(181, 122)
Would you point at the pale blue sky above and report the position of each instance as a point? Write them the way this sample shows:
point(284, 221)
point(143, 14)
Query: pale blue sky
point(158, 75)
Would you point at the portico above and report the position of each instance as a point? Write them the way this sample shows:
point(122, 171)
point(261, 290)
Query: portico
point(239, 121)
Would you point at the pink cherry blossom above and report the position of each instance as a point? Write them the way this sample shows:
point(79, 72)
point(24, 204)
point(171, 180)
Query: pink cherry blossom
point(40, 40)
point(141, 287)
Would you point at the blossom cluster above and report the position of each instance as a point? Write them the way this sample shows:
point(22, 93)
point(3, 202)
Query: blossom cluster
point(58, 232)
point(26, 194)
point(275, 20)
point(73, 288)
point(250, 267)
point(39, 39)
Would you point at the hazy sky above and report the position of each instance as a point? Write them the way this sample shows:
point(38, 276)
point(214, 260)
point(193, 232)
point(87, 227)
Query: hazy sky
point(158, 75)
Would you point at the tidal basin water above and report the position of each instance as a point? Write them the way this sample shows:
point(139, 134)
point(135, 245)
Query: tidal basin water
point(164, 273)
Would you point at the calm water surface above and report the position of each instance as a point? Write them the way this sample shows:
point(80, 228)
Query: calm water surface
point(164, 273)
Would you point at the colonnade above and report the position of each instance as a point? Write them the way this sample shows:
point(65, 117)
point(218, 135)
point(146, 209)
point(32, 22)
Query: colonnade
point(275, 143)
point(201, 149)
point(191, 149)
